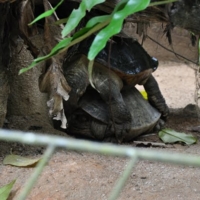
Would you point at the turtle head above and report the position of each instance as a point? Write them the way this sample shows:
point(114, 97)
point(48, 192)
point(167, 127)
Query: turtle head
point(154, 63)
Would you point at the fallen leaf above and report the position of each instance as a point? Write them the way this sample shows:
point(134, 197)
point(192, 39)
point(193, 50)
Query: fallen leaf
point(5, 190)
point(171, 136)
point(19, 161)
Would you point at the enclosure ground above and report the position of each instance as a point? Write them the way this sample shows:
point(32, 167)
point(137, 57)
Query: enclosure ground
point(79, 175)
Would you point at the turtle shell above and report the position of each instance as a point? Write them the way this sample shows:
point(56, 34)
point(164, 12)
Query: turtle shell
point(144, 116)
point(126, 55)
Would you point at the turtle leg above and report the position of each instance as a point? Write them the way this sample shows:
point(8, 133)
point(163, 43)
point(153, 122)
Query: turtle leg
point(76, 75)
point(108, 84)
point(155, 97)
point(160, 125)
point(101, 131)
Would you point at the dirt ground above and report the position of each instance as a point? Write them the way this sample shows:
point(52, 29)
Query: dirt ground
point(79, 175)
point(84, 176)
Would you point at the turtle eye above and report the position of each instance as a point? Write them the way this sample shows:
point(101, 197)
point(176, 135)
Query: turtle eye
point(154, 63)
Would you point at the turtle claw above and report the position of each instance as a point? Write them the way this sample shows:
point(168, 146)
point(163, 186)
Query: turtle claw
point(160, 124)
point(160, 105)
point(165, 112)
point(120, 130)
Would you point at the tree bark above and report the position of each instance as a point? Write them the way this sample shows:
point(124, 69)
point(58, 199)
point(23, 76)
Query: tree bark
point(4, 61)
point(25, 99)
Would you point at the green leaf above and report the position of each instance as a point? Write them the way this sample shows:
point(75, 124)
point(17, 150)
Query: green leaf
point(47, 13)
point(91, 26)
point(81, 33)
point(84, 33)
point(19, 161)
point(61, 21)
point(171, 136)
point(98, 19)
point(5, 190)
point(61, 45)
point(122, 10)
point(77, 14)
point(87, 31)
point(90, 70)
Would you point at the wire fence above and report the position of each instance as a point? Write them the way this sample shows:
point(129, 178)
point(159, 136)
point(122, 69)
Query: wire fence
point(134, 154)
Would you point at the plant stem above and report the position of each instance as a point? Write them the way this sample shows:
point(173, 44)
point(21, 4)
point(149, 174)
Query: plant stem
point(162, 2)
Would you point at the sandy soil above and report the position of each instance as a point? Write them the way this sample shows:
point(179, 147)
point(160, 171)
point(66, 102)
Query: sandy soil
point(177, 83)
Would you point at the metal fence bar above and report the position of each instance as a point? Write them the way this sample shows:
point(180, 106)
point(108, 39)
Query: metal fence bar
point(100, 148)
point(135, 154)
point(34, 176)
point(123, 178)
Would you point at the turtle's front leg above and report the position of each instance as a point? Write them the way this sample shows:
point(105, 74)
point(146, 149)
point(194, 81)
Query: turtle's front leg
point(108, 84)
point(155, 96)
point(76, 74)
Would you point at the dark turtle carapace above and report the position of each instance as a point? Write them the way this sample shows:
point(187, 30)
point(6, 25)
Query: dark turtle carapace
point(126, 57)
point(123, 63)
point(92, 119)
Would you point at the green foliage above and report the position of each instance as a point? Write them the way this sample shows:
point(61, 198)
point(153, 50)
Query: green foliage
point(54, 51)
point(113, 23)
point(171, 136)
point(121, 11)
point(47, 13)
point(5, 190)
point(90, 69)
point(78, 14)
point(99, 19)
point(107, 25)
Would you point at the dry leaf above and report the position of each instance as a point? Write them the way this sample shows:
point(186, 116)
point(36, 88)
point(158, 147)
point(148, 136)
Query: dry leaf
point(19, 161)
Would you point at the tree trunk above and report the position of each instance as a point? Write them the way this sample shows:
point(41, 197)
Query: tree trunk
point(25, 99)
point(4, 90)
point(4, 61)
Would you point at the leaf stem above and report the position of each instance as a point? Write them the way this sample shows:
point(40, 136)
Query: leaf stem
point(163, 2)
point(90, 32)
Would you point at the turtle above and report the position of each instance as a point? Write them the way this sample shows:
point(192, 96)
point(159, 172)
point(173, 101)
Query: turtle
point(91, 118)
point(122, 63)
